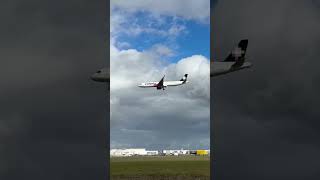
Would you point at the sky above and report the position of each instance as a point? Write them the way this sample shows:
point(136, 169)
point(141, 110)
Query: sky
point(266, 119)
point(149, 39)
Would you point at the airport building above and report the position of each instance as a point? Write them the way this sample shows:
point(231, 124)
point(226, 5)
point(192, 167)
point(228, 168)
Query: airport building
point(152, 153)
point(127, 152)
point(132, 152)
point(175, 152)
point(201, 152)
point(144, 152)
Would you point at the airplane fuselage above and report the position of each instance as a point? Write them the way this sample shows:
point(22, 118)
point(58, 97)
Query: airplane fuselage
point(165, 84)
point(220, 67)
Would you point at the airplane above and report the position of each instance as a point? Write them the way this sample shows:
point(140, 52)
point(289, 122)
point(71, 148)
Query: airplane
point(162, 84)
point(102, 75)
point(235, 61)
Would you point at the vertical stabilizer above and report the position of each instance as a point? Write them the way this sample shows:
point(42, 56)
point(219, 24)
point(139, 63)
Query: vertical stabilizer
point(184, 78)
point(238, 52)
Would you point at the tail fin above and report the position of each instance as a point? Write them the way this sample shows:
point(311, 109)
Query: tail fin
point(184, 79)
point(238, 52)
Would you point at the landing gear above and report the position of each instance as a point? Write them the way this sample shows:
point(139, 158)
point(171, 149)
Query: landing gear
point(163, 88)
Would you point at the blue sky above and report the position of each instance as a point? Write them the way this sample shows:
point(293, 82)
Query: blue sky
point(194, 39)
point(197, 41)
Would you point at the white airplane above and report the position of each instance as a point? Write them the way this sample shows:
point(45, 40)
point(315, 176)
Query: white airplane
point(234, 62)
point(162, 84)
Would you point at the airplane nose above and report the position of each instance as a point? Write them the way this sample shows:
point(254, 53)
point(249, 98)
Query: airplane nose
point(99, 77)
point(94, 77)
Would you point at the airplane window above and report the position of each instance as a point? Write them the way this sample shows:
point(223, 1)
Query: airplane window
point(99, 71)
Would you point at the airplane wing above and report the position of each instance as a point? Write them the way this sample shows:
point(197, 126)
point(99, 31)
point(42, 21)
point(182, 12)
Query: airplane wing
point(160, 84)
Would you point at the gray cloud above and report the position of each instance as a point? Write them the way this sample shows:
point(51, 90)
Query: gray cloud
point(53, 118)
point(266, 118)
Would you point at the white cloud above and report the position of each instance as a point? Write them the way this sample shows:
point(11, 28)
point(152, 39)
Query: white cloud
point(175, 30)
point(135, 111)
point(123, 45)
point(123, 22)
point(162, 50)
point(124, 18)
point(190, 9)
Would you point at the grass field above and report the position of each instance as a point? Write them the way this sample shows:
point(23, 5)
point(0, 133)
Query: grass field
point(160, 167)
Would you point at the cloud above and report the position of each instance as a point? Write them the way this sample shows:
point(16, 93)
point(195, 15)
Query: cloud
point(162, 50)
point(130, 24)
point(188, 9)
point(175, 30)
point(140, 117)
point(123, 45)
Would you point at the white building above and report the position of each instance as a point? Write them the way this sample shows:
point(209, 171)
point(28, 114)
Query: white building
point(130, 152)
point(152, 153)
point(208, 151)
point(175, 152)
point(115, 152)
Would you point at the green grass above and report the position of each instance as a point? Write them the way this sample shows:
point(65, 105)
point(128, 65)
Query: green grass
point(160, 167)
